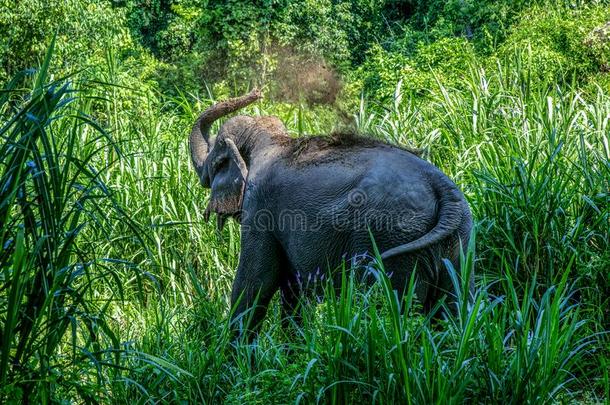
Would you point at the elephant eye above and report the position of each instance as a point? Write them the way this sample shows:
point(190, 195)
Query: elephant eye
point(220, 164)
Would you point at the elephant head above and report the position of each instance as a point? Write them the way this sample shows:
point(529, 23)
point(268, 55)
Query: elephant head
point(222, 162)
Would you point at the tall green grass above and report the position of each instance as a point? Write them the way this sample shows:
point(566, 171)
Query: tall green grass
point(114, 289)
point(49, 195)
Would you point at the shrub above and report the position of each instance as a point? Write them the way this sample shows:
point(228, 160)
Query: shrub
point(564, 44)
point(85, 30)
point(446, 61)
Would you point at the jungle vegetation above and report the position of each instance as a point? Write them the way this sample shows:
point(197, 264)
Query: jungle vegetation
point(113, 288)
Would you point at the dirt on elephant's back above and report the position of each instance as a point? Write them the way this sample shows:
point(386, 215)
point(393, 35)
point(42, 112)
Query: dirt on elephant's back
point(326, 148)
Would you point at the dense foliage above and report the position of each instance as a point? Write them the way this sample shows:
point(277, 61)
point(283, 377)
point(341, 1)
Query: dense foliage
point(114, 289)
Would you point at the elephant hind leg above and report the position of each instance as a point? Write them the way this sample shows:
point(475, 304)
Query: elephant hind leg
point(400, 269)
point(445, 286)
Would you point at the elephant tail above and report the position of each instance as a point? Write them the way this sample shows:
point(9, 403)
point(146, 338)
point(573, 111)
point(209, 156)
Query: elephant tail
point(452, 209)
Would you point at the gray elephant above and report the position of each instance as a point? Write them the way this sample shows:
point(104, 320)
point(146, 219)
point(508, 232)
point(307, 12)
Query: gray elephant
point(307, 204)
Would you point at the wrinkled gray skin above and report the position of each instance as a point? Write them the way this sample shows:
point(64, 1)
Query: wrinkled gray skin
point(302, 202)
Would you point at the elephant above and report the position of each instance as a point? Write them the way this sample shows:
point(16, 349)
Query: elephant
point(308, 204)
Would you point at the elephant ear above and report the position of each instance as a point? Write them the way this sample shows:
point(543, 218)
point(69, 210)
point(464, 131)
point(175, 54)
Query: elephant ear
point(228, 182)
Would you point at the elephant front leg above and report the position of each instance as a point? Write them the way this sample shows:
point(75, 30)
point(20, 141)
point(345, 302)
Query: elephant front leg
point(291, 304)
point(256, 281)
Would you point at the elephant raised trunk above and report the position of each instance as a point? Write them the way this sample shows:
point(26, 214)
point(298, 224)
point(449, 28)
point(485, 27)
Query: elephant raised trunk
point(199, 140)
